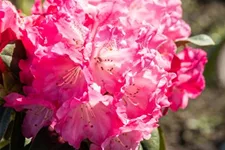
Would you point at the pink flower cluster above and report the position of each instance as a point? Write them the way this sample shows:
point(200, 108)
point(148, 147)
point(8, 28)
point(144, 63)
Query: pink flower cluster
point(103, 70)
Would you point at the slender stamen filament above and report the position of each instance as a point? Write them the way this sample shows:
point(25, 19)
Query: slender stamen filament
point(89, 107)
point(128, 96)
point(127, 99)
point(87, 112)
point(70, 77)
point(120, 142)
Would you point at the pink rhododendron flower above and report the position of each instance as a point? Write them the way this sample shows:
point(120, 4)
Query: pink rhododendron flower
point(91, 117)
point(111, 59)
point(103, 70)
point(61, 78)
point(39, 112)
point(127, 140)
point(145, 84)
point(9, 23)
point(64, 81)
point(189, 83)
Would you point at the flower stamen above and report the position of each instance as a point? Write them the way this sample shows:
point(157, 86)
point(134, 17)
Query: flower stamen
point(70, 77)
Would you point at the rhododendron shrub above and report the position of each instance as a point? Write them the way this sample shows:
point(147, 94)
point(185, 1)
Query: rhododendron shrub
point(101, 71)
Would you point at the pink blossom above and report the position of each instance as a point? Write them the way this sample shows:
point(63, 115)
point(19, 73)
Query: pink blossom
point(47, 88)
point(58, 81)
point(189, 83)
point(173, 26)
point(54, 31)
point(39, 35)
point(37, 7)
point(144, 89)
point(39, 112)
point(123, 141)
point(104, 70)
point(176, 28)
point(9, 28)
point(150, 39)
point(110, 59)
point(61, 78)
point(91, 117)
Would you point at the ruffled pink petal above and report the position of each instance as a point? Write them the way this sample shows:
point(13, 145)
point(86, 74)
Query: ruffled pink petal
point(9, 23)
point(190, 81)
point(93, 119)
point(110, 60)
point(37, 7)
point(39, 112)
point(36, 118)
point(144, 92)
point(60, 79)
point(123, 141)
point(176, 29)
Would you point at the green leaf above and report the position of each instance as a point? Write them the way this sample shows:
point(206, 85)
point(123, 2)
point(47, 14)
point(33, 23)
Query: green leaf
point(5, 119)
point(5, 141)
point(8, 82)
point(153, 143)
point(12, 54)
point(140, 147)
point(27, 141)
point(199, 40)
point(162, 140)
point(2, 92)
point(9, 130)
point(156, 142)
point(4, 144)
point(7, 54)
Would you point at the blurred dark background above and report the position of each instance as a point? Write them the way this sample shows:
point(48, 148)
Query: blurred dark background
point(201, 126)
